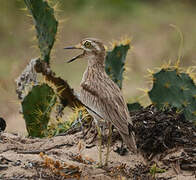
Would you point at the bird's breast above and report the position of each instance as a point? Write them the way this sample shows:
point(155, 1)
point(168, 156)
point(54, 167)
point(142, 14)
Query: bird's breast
point(91, 99)
point(90, 87)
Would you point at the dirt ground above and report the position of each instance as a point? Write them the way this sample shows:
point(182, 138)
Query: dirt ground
point(20, 159)
point(166, 150)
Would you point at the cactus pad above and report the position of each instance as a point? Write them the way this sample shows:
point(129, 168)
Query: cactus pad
point(36, 107)
point(172, 89)
point(45, 24)
point(134, 106)
point(115, 61)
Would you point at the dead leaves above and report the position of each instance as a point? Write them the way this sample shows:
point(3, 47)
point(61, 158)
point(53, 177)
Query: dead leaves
point(61, 168)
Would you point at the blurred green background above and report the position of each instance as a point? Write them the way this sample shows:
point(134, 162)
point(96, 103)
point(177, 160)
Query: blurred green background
point(147, 22)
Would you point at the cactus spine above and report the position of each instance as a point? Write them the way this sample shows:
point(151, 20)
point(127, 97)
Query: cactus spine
point(36, 108)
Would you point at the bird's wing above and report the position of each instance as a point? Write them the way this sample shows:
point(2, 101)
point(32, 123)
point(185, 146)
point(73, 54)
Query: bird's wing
point(106, 99)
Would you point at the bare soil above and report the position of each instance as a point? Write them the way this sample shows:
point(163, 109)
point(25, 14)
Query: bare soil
point(164, 139)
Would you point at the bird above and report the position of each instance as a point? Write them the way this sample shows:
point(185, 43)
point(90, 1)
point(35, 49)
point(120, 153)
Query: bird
point(102, 96)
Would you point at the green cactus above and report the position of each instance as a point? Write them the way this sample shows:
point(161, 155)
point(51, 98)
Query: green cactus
point(134, 106)
point(115, 61)
point(36, 107)
point(78, 118)
point(45, 24)
point(172, 89)
point(59, 128)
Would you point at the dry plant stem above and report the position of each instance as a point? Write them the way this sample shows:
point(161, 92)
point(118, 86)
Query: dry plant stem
point(70, 131)
point(66, 93)
point(109, 143)
point(44, 150)
point(100, 146)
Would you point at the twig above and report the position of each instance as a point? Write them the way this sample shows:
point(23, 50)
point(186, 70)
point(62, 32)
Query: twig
point(89, 128)
point(94, 137)
point(70, 131)
point(8, 149)
point(44, 150)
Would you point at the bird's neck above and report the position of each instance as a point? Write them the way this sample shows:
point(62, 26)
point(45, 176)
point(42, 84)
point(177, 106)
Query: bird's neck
point(96, 61)
point(91, 73)
point(94, 68)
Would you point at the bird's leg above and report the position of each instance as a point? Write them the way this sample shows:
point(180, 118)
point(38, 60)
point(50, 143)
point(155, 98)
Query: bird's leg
point(109, 143)
point(100, 146)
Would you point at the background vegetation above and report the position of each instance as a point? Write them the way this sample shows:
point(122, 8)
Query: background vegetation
point(147, 22)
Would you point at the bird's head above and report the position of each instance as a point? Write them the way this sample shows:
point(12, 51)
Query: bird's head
point(93, 49)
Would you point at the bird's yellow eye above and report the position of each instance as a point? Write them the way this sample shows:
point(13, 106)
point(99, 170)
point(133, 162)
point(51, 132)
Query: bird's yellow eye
point(87, 44)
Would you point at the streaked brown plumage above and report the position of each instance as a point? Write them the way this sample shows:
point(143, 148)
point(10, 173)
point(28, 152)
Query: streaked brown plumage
point(100, 93)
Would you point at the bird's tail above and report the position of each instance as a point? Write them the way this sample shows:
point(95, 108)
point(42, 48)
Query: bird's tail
point(129, 140)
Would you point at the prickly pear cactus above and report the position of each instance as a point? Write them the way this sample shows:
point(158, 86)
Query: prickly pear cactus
point(78, 118)
point(172, 89)
point(115, 61)
point(36, 107)
point(134, 106)
point(45, 24)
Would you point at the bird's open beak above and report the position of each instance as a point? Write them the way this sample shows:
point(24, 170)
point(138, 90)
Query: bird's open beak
point(78, 46)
